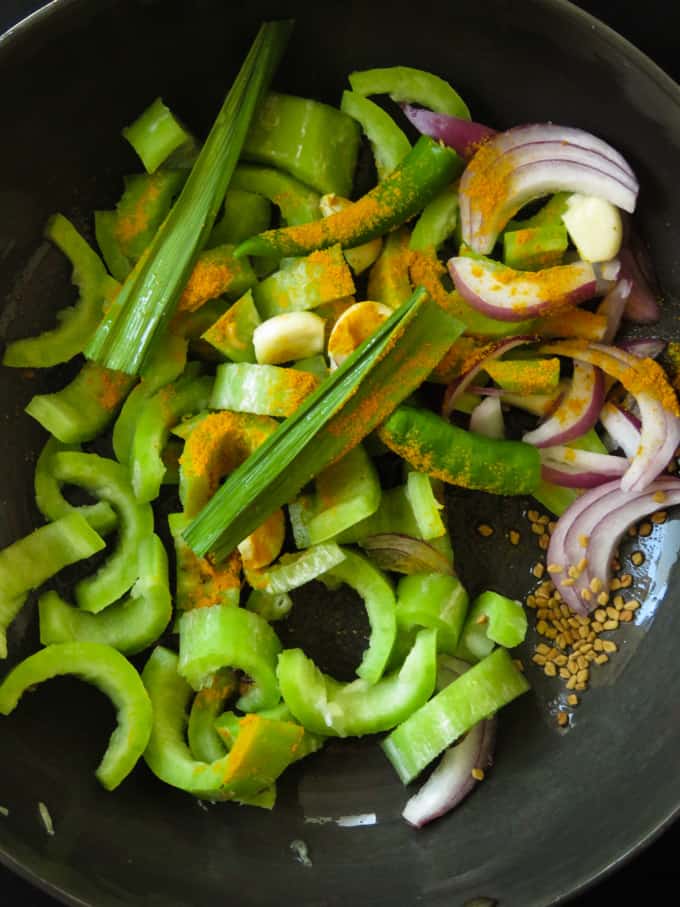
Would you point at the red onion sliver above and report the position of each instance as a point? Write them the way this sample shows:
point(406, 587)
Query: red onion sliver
point(653, 454)
point(580, 468)
point(642, 306)
point(452, 779)
point(612, 307)
point(644, 348)
point(620, 428)
point(522, 296)
point(461, 135)
point(487, 418)
point(557, 474)
point(578, 412)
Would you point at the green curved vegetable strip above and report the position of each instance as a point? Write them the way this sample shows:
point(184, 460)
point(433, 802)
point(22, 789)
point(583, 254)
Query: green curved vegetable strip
point(33, 559)
point(204, 742)
point(372, 585)
point(437, 221)
point(493, 618)
point(404, 83)
point(156, 134)
point(223, 636)
point(389, 143)
point(157, 416)
point(245, 213)
point(253, 764)
point(111, 673)
point(297, 203)
point(110, 481)
point(76, 323)
point(130, 625)
point(324, 706)
point(389, 280)
point(52, 503)
point(433, 600)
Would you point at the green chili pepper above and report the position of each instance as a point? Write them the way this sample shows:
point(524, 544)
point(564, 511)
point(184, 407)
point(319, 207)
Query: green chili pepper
point(433, 600)
point(158, 414)
point(110, 481)
point(264, 390)
point(85, 407)
point(493, 618)
point(297, 203)
point(432, 445)
point(166, 365)
point(325, 159)
point(76, 323)
point(111, 673)
point(130, 625)
point(347, 492)
point(156, 134)
point(262, 751)
point(205, 743)
point(324, 706)
point(52, 503)
point(305, 283)
point(200, 583)
point(389, 280)
point(30, 561)
point(415, 86)
point(437, 222)
point(421, 175)
point(389, 143)
point(475, 695)
point(245, 213)
point(226, 637)
point(232, 333)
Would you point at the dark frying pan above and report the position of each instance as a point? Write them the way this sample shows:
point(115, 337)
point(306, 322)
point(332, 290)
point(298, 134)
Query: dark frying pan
point(558, 810)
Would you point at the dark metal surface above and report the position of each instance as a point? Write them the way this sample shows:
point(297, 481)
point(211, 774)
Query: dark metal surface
point(556, 810)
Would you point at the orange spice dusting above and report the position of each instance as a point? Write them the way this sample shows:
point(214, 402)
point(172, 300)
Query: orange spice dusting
point(389, 278)
point(136, 220)
point(354, 326)
point(487, 179)
point(538, 376)
point(264, 544)
point(212, 275)
point(109, 387)
point(210, 584)
point(573, 322)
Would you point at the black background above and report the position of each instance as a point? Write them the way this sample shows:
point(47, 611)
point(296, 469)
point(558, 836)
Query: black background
point(654, 876)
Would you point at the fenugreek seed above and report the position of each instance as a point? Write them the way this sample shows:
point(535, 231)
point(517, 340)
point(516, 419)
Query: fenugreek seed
point(561, 660)
point(531, 601)
point(615, 584)
point(585, 647)
point(611, 625)
point(477, 774)
point(572, 699)
point(550, 669)
point(581, 662)
point(659, 496)
point(612, 613)
point(542, 613)
point(582, 564)
point(565, 612)
point(546, 587)
point(573, 572)
point(659, 517)
point(541, 627)
point(645, 529)
point(583, 632)
point(551, 526)
point(564, 674)
point(571, 683)
point(538, 659)
point(633, 604)
point(590, 657)
point(544, 519)
point(555, 568)
point(514, 537)
point(583, 541)
point(568, 582)
point(561, 641)
point(583, 675)
point(597, 626)
point(602, 659)
point(638, 558)
point(552, 654)
point(573, 622)
point(538, 570)
point(609, 646)
point(626, 581)
point(572, 666)
point(485, 530)
point(618, 602)
point(595, 585)
point(550, 633)
point(533, 516)
point(562, 718)
point(544, 542)
point(542, 649)
point(616, 564)
point(482, 619)
point(518, 664)
point(558, 595)
point(626, 616)
point(568, 638)
point(600, 614)
point(597, 645)
point(632, 531)
point(537, 529)
point(542, 599)
point(580, 687)
point(603, 598)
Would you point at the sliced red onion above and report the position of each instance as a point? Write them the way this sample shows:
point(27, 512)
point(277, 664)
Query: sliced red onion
point(643, 348)
point(621, 429)
point(461, 135)
point(459, 385)
point(487, 418)
point(509, 295)
point(452, 780)
point(529, 162)
point(580, 468)
point(578, 411)
point(612, 307)
point(642, 305)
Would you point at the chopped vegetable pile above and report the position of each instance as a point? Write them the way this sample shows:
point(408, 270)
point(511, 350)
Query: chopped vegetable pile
point(262, 351)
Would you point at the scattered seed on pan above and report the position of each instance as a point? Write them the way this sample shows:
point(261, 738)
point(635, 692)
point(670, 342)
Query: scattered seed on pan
point(645, 530)
point(659, 517)
point(485, 530)
point(514, 537)
point(638, 558)
point(562, 718)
